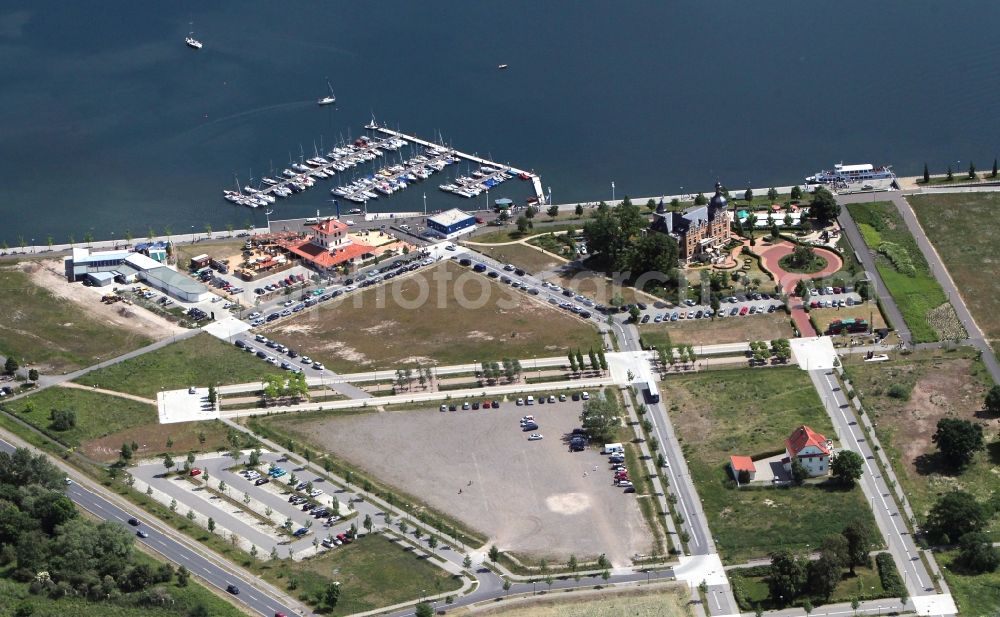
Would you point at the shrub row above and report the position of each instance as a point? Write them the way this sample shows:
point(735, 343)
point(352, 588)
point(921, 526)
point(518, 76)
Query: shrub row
point(889, 575)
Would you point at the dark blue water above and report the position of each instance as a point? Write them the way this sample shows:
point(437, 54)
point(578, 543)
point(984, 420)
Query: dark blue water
point(109, 123)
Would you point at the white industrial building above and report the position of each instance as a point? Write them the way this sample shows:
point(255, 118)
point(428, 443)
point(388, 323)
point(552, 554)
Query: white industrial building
point(128, 267)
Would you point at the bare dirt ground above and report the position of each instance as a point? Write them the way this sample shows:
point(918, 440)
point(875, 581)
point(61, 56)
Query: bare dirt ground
point(50, 275)
point(727, 330)
point(530, 498)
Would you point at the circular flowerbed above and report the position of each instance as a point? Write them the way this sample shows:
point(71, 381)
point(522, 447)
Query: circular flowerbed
point(802, 262)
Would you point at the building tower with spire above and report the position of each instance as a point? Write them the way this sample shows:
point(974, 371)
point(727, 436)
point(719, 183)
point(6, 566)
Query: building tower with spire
point(700, 231)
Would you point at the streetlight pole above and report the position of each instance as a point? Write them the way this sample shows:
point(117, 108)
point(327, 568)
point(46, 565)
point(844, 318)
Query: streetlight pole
point(612, 192)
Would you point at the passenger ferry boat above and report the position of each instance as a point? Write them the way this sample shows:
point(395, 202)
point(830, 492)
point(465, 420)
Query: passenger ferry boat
point(851, 174)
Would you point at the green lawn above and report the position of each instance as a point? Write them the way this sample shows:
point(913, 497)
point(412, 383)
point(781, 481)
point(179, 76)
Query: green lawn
point(510, 232)
point(53, 333)
point(373, 572)
point(14, 594)
point(974, 595)
point(934, 384)
point(916, 293)
point(522, 256)
point(200, 360)
point(864, 584)
point(97, 414)
point(752, 412)
point(964, 228)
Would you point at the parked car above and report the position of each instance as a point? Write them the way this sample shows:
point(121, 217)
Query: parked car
point(233, 589)
point(195, 471)
point(534, 436)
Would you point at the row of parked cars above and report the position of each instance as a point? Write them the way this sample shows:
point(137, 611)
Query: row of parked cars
point(288, 281)
point(306, 361)
point(473, 405)
point(832, 303)
point(616, 458)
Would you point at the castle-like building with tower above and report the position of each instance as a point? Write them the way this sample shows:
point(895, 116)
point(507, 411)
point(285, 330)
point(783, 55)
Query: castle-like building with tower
point(700, 231)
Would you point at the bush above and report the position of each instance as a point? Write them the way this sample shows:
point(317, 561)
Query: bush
point(899, 391)
point(888, 574)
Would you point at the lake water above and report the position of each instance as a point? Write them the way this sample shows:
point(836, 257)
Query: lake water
point(109, 123)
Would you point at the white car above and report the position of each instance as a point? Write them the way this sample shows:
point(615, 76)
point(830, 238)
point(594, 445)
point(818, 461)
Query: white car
point(315, 492)
point(585, 396)
point(253, 315)
point(534, 436)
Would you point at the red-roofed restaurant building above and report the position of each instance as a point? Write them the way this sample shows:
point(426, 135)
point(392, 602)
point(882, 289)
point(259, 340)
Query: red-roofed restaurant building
point(809, 448)
point(329, 247)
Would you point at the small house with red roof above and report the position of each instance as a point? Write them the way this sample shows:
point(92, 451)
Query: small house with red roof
point(742, 468)
point(810, 448)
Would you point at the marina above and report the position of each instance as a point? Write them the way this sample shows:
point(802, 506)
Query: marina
point(432, 158)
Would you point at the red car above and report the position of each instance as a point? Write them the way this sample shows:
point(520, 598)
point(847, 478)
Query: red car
point(195, 472)
point(743, 311)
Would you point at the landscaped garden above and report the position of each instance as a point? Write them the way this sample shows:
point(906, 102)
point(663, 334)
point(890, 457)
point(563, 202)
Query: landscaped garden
point(802, 260)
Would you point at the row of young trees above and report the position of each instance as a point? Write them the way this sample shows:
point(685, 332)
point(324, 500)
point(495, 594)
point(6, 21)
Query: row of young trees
point(292, 386)
point(950, 174)
point(597, 360)
point(761, 352)
point(406, 376)
point(671, 355)
point(509, 369)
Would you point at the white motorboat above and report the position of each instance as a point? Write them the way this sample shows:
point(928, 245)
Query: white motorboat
point(330, 98)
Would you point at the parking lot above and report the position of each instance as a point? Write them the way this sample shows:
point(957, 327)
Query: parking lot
point(529, 497)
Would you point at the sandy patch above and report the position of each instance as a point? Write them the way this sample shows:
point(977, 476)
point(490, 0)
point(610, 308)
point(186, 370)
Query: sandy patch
point(49, 274)
point(568, 503)
point(381, 327)
point(344, 351)
point(479, 336)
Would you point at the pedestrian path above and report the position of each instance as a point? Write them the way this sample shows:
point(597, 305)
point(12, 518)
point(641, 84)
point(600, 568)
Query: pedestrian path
point(131, 397)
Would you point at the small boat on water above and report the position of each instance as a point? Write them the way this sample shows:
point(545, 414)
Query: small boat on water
point(329, 99)
point(192, 42)
point(502, 66)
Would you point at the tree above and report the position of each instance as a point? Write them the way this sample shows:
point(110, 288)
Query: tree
point(958, 441)
point(927, 174)
point(824, 206)
point(748, 195)
point(799, 472)
point(786, 579)
point(494, 553)
point(33, 374)
point(523, 224)
point(211, 525)
point(847, 467)
point(772, 194)
point(62, 419)
point(10, 366)
point(977, 554)
point(553, 211)
point(634, 312)
point(467, 562)
point(994, 172)
point(579, 210)
point(182, 576)
point(951, 174)
point(600, 417)
point(954, 515)
point(972, 170)
point(432, 541)
point(859, 542)
point(796, 193)
point(168, 462)
point(700, 199)
point(126, 452)
point(368, 523)
point(992, 403)
point(332, 594)
point(823, 575)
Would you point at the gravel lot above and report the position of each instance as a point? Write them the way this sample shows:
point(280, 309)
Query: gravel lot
point(534, 498)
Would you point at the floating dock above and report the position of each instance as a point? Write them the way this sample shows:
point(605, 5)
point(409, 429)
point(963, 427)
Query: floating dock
point(536, 180)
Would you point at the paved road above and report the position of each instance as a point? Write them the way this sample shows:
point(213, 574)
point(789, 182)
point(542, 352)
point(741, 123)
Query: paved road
point(867, 258)
point(890, 520)
point(162, 540)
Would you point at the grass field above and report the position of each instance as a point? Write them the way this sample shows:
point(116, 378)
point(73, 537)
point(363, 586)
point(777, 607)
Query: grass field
point(726, 330)
point(749, 412)
point(201, 360)
point(868, 312)
point(14, 594)
point(462, 317)
point(510, 232)
point(917, 294)
point(975, 595)
point(373, 572)
point(929, 385)
point(51, 332)
point(104, 422)
point(655, 602)
point(865, 583)
point(521, 255)
point(964, 230)
point(216, 249)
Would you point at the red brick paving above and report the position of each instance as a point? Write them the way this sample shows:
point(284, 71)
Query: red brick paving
point(770, 255)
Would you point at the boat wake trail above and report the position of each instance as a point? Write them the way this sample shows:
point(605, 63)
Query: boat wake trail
point(248, 113)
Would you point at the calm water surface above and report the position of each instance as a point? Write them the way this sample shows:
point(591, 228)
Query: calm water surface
point(109, 124)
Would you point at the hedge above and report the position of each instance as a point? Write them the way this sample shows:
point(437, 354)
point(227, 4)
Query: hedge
point(887, 572)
